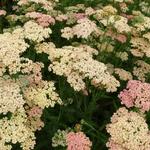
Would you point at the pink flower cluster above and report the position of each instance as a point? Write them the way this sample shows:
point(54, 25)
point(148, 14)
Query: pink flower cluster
point(119, 37)
point(35, 111)
point(79, 16)
point(113, 146)
point(42, 19)
point(78, 141)
point(2, 12)
point(136, 94)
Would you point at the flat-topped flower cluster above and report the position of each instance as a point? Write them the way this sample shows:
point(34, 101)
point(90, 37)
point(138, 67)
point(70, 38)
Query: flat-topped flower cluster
point(62, 60)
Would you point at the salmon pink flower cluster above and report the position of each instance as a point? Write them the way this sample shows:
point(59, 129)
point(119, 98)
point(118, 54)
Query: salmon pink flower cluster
point(136, 94)
point(77, 141)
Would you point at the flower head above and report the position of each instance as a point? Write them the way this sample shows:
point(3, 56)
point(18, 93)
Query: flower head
point(78, 141)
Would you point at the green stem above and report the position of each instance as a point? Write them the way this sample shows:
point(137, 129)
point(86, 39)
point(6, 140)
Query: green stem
point(92, 105)
point(1, 25)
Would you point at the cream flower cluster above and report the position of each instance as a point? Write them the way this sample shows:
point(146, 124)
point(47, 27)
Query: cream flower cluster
point(31, 31)
point(35, 32)
point(11, 99)
point(76, 63)
point(129, 131)
point(141, 69)
point(46, 4)
point(45, 47)
point(11, 47)
point(42, 95)
point(67, 33)
point(147, 36)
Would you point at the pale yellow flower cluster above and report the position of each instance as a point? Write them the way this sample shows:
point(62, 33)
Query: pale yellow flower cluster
point(141, 69)
point(77, 64)
point(123, 74)
point(145, 7)
point(105, 12)
point(42, 95)
point(106, 47)
point(3, 146)
point(14, 131)
point(45, 47)
point(147, 36)
point(119, 23)
point(122, 55)
point(129, 131)
point(144, 25)
point(140, 47)
point(21, 126)
point(11, 99)
point(119, 1)
point(59, 138)
point(110, 68)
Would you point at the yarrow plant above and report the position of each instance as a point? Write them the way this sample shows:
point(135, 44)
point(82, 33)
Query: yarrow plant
point(74, 75)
